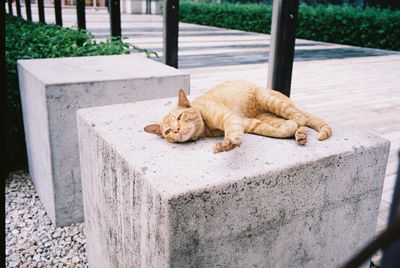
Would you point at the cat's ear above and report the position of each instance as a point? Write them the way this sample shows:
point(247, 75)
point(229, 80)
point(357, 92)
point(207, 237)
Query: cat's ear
point(183, 102)
point(153, 129)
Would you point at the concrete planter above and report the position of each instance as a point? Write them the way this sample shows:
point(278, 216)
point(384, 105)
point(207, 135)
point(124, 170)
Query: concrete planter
point(52, 90)
point(269, 203)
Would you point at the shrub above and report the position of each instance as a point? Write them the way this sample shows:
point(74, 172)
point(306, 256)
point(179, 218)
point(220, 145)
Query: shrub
point(370, 27)
point(27, 40)
point(246, 17)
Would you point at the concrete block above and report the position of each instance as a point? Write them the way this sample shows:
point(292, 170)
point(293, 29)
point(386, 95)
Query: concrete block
point(52, 90)
point(269, 203)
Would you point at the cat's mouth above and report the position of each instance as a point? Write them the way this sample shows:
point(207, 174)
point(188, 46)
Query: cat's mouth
point(184, 136)
point(180, 139)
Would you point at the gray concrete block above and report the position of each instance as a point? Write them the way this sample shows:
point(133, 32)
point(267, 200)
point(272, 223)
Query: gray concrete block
point(269, 203)
point(52, 90)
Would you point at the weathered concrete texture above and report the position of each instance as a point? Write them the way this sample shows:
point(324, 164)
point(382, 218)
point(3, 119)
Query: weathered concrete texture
point(52, 90)
point(269, 203)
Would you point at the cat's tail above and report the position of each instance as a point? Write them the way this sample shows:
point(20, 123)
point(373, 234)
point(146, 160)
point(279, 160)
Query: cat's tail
point(325, 131)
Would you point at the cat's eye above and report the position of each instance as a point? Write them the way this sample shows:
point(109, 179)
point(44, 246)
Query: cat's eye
point(167, 132)
point(179, 117)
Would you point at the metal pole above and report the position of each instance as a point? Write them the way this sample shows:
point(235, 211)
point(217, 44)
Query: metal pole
point(5, 122)
point(115, 17)
point(148, 6)
point(283, 35)
point(18, 8)
point(28, 10)
point(41, 10)
point(57, 10)
point(80, 13)
point(171, 29)
point(10, 7)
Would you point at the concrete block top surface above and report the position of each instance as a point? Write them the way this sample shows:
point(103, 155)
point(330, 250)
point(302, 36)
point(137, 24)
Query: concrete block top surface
point(176, 169)
point(75, 70)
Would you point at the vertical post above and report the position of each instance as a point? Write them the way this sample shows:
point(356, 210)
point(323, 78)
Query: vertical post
point(41, 11)
point(148, 6)
point(171, 24)
point(283, 35)
point(80, 13)
point(28, 10)
point(3, 118)
point(57, 11)
point(18, 7)
point(10, 7)
point(115, 18)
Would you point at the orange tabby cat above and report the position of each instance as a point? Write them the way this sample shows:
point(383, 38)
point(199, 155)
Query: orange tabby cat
point(234, 108)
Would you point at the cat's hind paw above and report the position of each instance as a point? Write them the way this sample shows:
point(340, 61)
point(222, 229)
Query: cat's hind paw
point(325, 132)
point(227, 144)
point(301, 135)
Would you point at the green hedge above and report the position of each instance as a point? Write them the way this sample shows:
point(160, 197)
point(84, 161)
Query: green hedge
point(27, 40)
point(371, 27)
point(247, 17)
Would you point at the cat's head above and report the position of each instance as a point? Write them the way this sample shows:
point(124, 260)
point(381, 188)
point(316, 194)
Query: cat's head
point(183, 123)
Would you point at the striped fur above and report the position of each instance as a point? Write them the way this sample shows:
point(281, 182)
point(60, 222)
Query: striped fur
point(234, 108)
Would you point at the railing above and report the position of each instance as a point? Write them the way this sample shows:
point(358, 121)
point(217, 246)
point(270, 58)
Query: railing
point(282, 38)
point(171, 18)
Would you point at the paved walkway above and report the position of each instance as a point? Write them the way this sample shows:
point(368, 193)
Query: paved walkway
point(353, 86)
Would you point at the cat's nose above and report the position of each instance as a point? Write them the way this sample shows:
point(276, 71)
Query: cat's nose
point(176, 130)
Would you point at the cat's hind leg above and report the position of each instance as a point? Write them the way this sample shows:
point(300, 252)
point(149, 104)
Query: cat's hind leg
point(272, 126)
point(276, 103)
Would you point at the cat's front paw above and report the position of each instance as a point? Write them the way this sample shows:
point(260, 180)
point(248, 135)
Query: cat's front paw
point(227, 145)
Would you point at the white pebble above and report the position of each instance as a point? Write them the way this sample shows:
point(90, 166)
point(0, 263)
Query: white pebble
point(31, 239)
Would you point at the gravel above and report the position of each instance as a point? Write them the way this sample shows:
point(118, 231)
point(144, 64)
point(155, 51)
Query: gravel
point(31, 239)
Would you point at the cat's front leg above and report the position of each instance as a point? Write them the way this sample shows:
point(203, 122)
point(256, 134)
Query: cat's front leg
point(234, 132)
point(227, 144)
